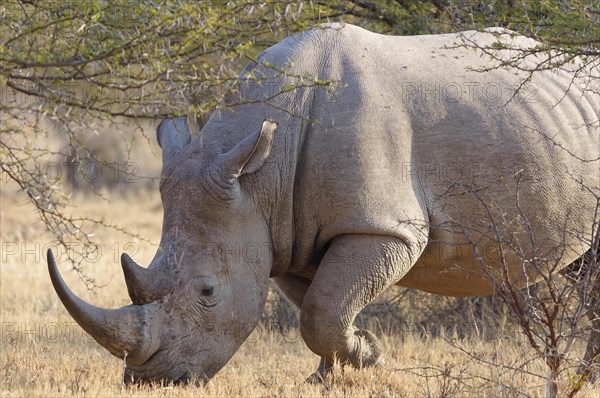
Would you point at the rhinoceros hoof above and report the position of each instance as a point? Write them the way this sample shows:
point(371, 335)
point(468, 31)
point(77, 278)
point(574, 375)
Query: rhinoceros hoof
point(315, 378)
point(370, 350)
point(322, 373)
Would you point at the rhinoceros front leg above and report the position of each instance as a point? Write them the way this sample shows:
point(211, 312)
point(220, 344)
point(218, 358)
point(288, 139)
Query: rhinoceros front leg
point(355, 269)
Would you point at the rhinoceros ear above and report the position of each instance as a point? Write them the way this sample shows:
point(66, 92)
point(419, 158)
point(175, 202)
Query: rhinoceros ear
point(173, 135)
point(250, 154)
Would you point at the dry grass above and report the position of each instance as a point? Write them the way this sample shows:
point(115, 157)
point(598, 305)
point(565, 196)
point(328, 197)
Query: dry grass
point(44, 353)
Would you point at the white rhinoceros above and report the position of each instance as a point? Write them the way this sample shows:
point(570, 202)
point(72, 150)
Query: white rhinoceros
point(414, 169)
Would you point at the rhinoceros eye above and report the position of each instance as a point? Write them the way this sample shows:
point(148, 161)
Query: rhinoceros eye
point(206, 290)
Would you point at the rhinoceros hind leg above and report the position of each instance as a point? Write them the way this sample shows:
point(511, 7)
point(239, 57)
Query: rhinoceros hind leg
point(355, 269)
point(591, 360)
point(590, 365)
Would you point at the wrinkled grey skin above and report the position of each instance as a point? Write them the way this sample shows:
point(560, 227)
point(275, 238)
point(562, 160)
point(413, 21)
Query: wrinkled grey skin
point(394, 178)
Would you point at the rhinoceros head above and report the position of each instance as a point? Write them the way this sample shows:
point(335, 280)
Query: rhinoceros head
point(199, 299)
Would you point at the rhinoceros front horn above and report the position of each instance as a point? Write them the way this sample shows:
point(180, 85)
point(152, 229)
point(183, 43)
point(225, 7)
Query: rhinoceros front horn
point(143, 284)
point(126, 331)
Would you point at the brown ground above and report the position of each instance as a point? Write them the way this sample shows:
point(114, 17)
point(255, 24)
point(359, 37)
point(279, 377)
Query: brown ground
point(44, 353)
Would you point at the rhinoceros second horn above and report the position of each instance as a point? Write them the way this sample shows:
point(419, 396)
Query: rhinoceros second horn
point(143, 285)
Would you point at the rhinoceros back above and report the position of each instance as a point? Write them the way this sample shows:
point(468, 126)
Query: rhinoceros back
point(417, 142)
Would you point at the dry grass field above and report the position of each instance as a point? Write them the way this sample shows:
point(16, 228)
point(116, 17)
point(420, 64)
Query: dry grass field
point(44, 353)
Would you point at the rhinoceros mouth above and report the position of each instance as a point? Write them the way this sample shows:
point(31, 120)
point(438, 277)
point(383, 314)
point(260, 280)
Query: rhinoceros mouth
point(132, 376)
point(183, 379)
